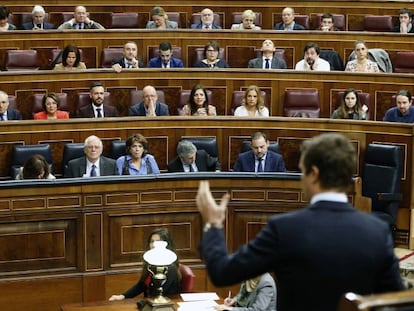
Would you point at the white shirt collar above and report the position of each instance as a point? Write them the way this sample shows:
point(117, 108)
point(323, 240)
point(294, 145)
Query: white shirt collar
point(329, 196)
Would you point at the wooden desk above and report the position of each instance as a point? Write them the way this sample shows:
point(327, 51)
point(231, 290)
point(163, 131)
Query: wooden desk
point(124, 305)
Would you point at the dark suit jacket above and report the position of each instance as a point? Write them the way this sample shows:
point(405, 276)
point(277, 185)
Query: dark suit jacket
point(277, 63)
point(245, 162)
point(156, 62)
point(203, 161)
point(121, 61)
point(139, 109)
point(77, 167)
point(29, 26)
point(296, 26)
point(327, 247)
point(87, 111)
point(397, 29)
point(13, 114)
point(199, 26)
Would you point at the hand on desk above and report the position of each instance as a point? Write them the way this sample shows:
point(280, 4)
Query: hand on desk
point(116, 297)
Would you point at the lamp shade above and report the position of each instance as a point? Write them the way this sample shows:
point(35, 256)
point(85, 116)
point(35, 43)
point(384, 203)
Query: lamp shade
point(160, 255)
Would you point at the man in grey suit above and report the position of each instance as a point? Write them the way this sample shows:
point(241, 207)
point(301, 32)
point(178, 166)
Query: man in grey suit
point(93, 164)
point(268, 59)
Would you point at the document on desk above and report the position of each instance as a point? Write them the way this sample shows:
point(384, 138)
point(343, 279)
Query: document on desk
point(201, 305)
point(199, 296)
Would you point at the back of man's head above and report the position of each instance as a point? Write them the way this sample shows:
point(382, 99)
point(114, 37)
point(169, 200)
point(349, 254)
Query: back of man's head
point(334, 157)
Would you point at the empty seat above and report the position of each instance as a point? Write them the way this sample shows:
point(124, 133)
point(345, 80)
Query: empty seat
point(364, 99)
point(236, 18)
point(21, 153)
point(301, 103)
point(37, 99)
point(137, 97)
point(108, 54)
point(378, 23)
point(196, 19)
point(404, 61)
point(237, 99)
point(184, 96)
point(21, 60)
point(71, 151)
point(209, 144)
point(303, 20)
point(154, 51)
point(117, 149)
point(175, 17)
point(187, 279)
point(199, 55)
point(333, 58)
point(124, 20)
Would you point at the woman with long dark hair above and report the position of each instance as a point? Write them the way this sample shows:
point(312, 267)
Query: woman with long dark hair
point(71, 59)
point(350, 107)
point(198, 103)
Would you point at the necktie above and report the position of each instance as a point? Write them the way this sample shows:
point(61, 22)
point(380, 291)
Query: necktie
point(1, 117)
point(39, 26)
point(191, 168)
point(260, 165)
point(267, 64)
point(98, 113)
point(206, 27)
point(93, 170)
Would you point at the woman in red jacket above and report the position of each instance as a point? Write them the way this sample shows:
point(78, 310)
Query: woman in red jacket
point(50, 104)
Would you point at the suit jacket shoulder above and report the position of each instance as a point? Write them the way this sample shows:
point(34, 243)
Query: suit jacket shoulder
point(256, 63)
point(13, 114)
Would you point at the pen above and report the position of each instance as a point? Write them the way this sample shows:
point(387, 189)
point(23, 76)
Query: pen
point(229, 294)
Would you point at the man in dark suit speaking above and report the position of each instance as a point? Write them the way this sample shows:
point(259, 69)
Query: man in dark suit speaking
point(317, 253)
point(93, 164)
point(260, 159)
point(190, 159)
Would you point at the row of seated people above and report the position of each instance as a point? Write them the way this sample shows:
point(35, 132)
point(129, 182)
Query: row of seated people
point(132, 157)
point(251, 102)
point(206, 19)
point(362, 59)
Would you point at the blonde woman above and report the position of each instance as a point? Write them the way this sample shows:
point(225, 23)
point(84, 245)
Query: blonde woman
point(248, 19)
point(160, 20)
point(361, 63)
point(252, 104)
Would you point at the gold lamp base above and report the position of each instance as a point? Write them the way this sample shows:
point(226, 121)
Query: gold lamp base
point(159, 303)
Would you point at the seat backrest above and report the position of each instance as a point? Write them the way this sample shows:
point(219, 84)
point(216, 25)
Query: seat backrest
point(378, 23)
point(154, 51)
point(333, 58)
point(209, 144)
point(174, 17)
point(37, 99)
point(117, 149)
point(12, 101)
point(237, 99)
point(83, 99)
point(403, 61)
point(137, 97)
point(71, 151)
point(273, 146)
point(364, 99)
point(236, 18)
point(21, 60)
point(108, 54)
point(187, 279)
point(339, 21)
point(21, 153)
point(124, 20)
point(199, 55)
point(301, 103)
point(196, 19)
point(184, 96)
point(303, 20)
point(382, 174)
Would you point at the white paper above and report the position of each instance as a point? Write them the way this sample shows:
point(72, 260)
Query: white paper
point(199, 296)
point(197, 305)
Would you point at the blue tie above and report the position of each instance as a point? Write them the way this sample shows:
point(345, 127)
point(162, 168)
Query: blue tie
point(260, 165)
point(267, 64)
point(98, 113)
point(93, 170)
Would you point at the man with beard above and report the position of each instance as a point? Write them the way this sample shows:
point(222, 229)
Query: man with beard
point(404, 111)
point(97, 109)
point(311, 59)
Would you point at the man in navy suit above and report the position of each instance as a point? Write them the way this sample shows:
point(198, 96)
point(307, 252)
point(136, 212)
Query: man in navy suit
point(38, 20)
point(97, 108)
point(288, 21)
point(207, 20)
point(150, 106)
point(190, 159)
point(268, 60)
point(7, 113)
point(317, 253)
point(129, 60)
point(165, 58)
point(259, 159)
point(93, 164)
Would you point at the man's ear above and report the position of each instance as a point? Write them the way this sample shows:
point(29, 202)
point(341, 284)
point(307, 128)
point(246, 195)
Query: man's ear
point(314, 174)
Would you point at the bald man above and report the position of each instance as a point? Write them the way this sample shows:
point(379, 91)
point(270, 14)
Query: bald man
point(80, 21)
point(207, 20)
point(288, 21)
point(150, 106)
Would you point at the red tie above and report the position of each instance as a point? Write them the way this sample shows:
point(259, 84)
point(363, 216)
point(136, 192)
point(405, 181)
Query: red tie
point(206, 27)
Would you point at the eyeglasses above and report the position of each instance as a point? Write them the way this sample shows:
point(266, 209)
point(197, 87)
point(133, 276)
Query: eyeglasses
point(248, 20)
point(212, 51)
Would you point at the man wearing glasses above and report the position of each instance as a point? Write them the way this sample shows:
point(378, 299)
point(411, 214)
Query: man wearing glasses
point(150, 106)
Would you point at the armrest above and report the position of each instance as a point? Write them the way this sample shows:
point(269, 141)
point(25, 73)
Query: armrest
point(389, 196)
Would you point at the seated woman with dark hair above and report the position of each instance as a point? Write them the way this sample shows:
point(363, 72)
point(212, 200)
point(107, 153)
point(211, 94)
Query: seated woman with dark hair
point(145, 284)
point(211, 54)
point(36, 167)
point(198, 104)
point(50, 104)
point(350, 107)
point(137, 161)
point(4, 19)
point(71, 59)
